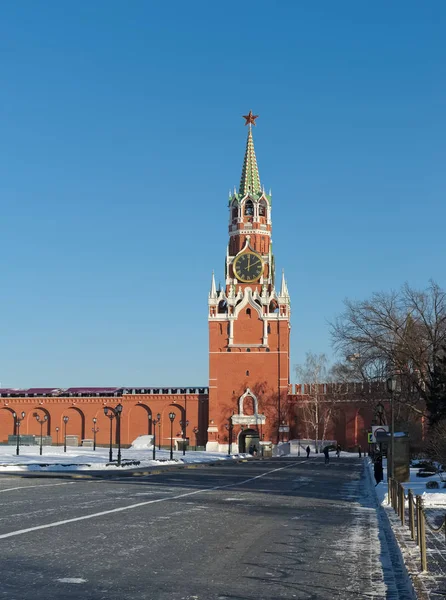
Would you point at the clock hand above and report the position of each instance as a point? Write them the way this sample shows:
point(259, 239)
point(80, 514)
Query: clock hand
point(249, 261)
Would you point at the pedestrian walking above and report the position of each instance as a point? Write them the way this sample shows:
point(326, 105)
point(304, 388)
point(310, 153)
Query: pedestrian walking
point(308, 451)
point(359, 451)
point(338, 450)
point(327, 455)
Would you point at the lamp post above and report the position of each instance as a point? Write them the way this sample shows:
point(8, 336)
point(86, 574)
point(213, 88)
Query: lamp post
point(229, 426)
point(111, 416)
point(158, 419)
point(184, 425)
point(95, 430)
point(18, 420)
point(116, 412)
point(391, 388)
point(155, 422)
point(57, 436)
point(196, 430)
point(65, 421)
point(41, 423)
point(172, 418)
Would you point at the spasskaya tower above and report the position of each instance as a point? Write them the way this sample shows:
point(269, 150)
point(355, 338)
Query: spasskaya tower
point(249, 324)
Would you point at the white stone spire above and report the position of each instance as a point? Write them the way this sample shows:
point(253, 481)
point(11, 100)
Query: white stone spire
point(284, 288)
point(213, 292)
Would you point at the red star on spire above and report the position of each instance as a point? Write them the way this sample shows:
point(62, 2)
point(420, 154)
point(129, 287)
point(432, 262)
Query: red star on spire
point(250, 119)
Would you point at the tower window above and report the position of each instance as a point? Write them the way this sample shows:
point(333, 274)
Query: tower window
point(249, 208)
point(262, 209)
point(269, 328)
point(248, 312)
point(248, 349)
point(247, 373)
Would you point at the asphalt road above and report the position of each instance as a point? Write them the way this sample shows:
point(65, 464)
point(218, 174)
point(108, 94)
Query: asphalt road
point(272, 529)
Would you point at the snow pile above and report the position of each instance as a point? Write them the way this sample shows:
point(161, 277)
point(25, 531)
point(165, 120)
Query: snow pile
point(143, 442)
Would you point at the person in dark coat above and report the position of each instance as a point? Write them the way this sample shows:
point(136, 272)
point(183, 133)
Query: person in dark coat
point(359, 451)
point(378, 468)
point(308, 451)
point(326, 454)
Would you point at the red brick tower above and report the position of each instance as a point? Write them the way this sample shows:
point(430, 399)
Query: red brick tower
point(249, 325)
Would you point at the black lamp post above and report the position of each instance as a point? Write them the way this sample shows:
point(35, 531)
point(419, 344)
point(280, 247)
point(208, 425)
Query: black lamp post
point(18, 420)
point(392, 384)
point(95, 430)
point(184, 425)
point(229, 426)
point(41, 423)
point(111, 416)
point(154, 423)
point(196, 430)
point(158, 420)
point(57, 436)
point(111, 413)
point(65, 421)
point(172, 418)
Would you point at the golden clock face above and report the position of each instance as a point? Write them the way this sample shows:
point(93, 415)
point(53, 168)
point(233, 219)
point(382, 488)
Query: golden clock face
point(248, 267)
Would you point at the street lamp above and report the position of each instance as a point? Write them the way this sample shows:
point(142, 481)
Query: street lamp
point(196, 430)
point(95, 430)
point(392, 384)
point(18, 420)
point(111, 416)
point(111, 413)
point(155, 422)
point(57, 436)
point(184, 425)
point(172, 418)
point(158, 420)
point(41, 423)
point(229, 426)
point(65, 421)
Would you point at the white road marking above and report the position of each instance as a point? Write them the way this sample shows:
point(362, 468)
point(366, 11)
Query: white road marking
point(24, 487)
point(71, 580)
point(138, 505)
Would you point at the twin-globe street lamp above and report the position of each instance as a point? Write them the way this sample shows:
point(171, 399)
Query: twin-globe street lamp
point(95, 430)
point(154, 423)
point(65, 421)
point(41, 423)
point(172, 418)
point(18, 420)
point(184, 425)
point(111, 413)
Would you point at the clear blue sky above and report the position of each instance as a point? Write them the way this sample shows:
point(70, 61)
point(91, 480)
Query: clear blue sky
point(121, 134)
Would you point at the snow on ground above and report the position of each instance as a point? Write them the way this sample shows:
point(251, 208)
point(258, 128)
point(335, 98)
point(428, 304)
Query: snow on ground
point(431, 497)
point(83, 459)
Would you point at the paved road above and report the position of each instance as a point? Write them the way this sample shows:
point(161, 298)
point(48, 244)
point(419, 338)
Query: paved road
point(272, 529)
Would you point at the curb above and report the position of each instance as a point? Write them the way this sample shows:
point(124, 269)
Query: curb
point(408, 563)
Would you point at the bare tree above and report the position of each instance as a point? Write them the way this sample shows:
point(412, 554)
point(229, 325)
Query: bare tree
point(403, 332)
point(318, 407)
